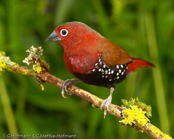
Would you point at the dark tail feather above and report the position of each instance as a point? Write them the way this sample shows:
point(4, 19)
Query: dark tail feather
point(137, 63)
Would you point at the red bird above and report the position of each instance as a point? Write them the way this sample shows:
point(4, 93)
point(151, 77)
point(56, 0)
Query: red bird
point(94, 59)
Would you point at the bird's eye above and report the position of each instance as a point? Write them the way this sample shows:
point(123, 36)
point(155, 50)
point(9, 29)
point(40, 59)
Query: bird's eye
point(64, 32)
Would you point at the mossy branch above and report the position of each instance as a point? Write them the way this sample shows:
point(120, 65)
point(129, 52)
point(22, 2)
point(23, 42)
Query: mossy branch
point(133, 113)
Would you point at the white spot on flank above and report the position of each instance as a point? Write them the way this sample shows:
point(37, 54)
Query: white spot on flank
point(106, 71)
point(99, 60)
point(99, 69)
point(118, 77)
point(93, 70)
point(110, 79)
point(121, 66)
point(127, 67)
point(106, 76)
point(103, 76)
point(117, 73)
point(100, 63)
point(122, 73)
point(109, 69)
point(96, 64)
point(119, 70)
point(117, 66)
point(112, 71)
point(109, 73)
point(104, 66)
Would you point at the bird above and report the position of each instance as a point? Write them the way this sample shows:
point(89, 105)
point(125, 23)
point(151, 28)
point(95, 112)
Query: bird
point(93, 59)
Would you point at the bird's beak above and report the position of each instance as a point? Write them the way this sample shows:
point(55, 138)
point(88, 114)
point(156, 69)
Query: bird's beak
point(53, 37)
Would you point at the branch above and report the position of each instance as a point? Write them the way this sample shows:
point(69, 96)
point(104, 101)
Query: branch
point(132, 114)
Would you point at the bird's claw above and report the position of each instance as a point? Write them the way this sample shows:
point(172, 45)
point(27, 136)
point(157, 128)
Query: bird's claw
point(106, 104)
point(63, 92)
point(65, 85)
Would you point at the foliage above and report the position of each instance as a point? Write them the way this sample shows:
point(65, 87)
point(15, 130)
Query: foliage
point(145, 29)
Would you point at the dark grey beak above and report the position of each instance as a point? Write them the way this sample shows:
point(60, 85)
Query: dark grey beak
point(53, 37)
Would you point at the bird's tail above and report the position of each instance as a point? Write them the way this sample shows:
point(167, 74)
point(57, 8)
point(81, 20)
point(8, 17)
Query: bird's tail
point(137, 63)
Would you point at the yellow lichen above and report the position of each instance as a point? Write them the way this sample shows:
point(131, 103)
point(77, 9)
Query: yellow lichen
point(44, 64)
point(134, 115)
point(42, 87)
point(156, 130)
point(37, 68)
point(4, 61)
point(137, 102)
point(167, 137)
point(2, 65)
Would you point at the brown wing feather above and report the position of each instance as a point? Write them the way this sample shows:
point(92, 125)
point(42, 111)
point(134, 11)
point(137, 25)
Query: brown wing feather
point(112, 54)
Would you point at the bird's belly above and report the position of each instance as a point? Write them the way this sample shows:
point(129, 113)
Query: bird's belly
point(103, 75)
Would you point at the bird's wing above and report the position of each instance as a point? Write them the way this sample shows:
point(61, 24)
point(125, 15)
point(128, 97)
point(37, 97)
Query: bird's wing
point(112, 54)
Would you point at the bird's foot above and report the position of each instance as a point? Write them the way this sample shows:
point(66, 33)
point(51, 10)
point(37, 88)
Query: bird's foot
point(106, 104)
point(107, 101)
point(67, 83)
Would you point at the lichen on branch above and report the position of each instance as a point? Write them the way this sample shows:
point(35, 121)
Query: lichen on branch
point(34, 58)
point(39, 64)
point(134, 114)
point(34, 55)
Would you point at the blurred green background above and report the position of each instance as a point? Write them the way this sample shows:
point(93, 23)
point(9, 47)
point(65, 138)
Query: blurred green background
point(145, 29)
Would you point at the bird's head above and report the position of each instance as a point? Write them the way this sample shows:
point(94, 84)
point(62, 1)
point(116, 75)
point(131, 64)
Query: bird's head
point(73, 35)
